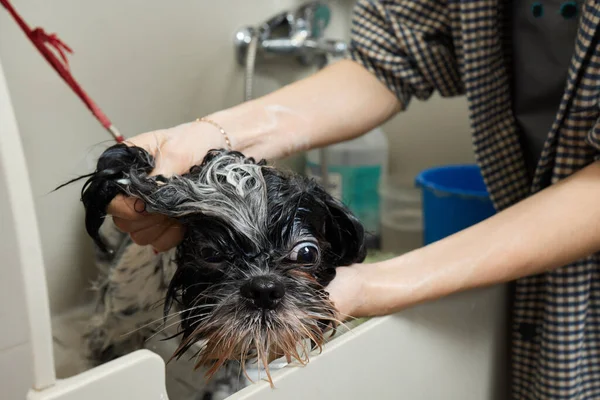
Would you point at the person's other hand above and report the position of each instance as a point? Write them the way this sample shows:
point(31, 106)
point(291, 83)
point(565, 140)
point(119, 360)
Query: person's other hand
point(347, 293)
point(175, 151)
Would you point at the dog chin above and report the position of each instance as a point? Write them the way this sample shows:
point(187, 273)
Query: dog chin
point(259, 334)
point(239, 330)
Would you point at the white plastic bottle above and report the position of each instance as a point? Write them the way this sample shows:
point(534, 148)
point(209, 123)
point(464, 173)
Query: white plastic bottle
point(355, 169)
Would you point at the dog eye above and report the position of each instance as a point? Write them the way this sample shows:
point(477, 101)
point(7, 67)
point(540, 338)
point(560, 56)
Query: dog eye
point(305, 253)
point(211, 255)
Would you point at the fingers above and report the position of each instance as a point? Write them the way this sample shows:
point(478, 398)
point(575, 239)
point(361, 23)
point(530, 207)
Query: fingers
point(151, 141)
point(347, 292)
point(141, 224)
point(127, 208)
point(165, 163)
point(169, 238)
point(159, 231)
point(148, 235)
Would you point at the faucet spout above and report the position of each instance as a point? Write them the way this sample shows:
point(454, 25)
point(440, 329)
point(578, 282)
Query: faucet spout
point(294, 33)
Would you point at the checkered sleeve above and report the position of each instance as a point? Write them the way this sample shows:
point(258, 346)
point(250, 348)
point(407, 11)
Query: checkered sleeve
point(407, 45)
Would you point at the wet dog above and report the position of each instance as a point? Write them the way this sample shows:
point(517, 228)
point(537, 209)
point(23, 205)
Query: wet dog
point(248, 279)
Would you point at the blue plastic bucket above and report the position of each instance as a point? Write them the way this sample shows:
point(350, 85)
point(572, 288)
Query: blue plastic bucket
point(454, 198)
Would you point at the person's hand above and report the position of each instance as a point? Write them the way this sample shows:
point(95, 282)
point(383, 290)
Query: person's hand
point(347, 293)
point(175, 151)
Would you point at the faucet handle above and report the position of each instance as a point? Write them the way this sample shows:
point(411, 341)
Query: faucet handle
point(279, 21)
point(336, 48)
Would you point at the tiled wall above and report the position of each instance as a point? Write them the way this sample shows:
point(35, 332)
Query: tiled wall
point(154, 64)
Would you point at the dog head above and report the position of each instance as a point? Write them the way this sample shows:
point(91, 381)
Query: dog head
point(260, 246)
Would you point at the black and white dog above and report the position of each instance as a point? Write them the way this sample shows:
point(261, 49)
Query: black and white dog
point(248, 279)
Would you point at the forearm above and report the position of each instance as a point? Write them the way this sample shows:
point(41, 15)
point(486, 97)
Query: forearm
point(553, 228)
point(338, 103)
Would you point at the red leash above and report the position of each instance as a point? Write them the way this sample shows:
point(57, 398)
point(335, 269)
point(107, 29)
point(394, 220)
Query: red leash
point(44, 42)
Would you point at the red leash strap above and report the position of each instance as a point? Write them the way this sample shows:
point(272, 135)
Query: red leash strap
point(44, 43)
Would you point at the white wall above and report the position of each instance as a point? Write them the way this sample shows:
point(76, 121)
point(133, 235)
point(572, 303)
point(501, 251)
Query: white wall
point(152, 64)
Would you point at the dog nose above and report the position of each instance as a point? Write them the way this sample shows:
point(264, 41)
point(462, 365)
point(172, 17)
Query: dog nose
point(263, 291)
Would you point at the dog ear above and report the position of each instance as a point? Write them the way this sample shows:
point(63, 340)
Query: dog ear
point(123, 169)
point(344, 232)
point(113, 169)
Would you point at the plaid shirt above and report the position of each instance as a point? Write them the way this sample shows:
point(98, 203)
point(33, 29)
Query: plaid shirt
point(416, 47)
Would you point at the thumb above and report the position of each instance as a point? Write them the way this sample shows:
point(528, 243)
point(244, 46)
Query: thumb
point(154, 143)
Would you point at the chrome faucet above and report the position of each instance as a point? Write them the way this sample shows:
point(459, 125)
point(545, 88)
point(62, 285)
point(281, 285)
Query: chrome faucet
point(296, 33)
